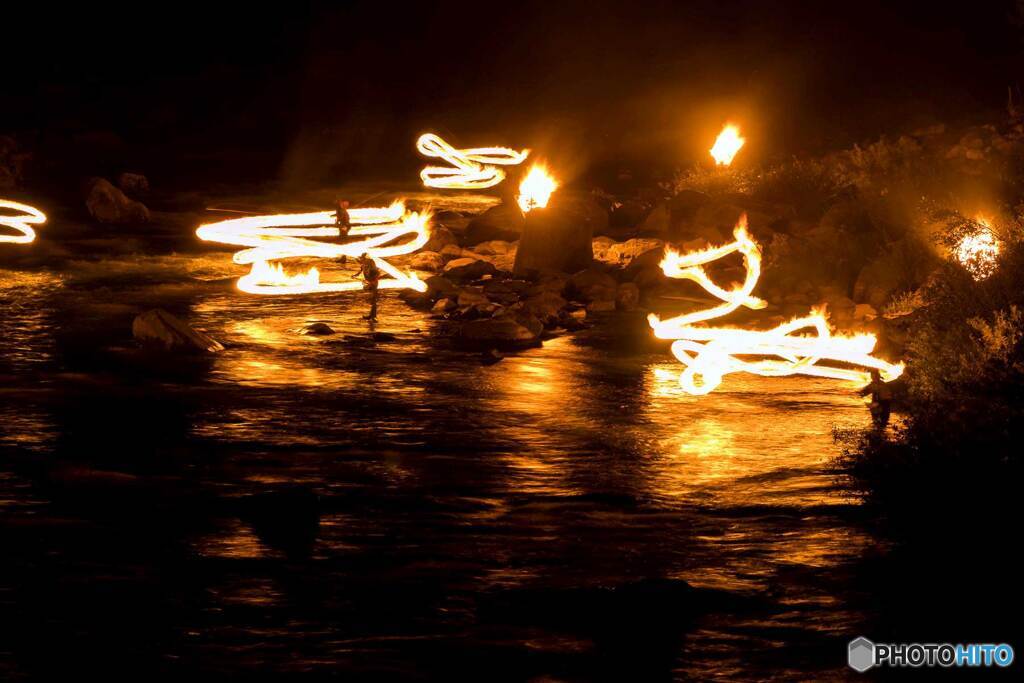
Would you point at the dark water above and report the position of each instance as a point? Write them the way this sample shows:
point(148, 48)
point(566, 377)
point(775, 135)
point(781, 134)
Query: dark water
point(396, 509)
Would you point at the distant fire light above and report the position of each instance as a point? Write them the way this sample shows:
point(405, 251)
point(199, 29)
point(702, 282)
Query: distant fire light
point(979, 251)
point(727, 145)
point(536, 189)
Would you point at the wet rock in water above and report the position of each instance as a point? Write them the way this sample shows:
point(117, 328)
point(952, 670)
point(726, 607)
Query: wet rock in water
point(507, 328)
point(560, 236)
point(506, 292)
point(592, 285)
point(502, 222)
point(440, 237)
point(467, 269)
point(627, 298)
point(158, 328)
point(427, 260)
point(134, 184)
point(491, 356)
point(545, 306)
point(107, 204)
point(317, 329)
point(287, 519)
point(444, 305)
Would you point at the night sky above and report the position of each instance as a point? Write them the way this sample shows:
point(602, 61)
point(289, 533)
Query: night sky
point(335, 90)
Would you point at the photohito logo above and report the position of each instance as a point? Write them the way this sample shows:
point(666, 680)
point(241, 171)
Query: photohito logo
point(862, 654)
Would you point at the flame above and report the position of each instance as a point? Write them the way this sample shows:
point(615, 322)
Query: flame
point(709, 353)
point(979, 252)
point(727, 144)
point(471, 169)
point(31, 216)
point(536, 188)
point(283, 236)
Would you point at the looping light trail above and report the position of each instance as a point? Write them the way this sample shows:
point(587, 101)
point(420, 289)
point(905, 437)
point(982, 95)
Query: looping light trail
point(710, 353)
point(277, 237)
point(21, 223)
point(471, 169)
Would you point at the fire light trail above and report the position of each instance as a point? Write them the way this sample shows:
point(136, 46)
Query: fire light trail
point(471, 169)
point(727, 145)
point(536, 189)
point(710, 353)
point(21, 223)
point(284, 236)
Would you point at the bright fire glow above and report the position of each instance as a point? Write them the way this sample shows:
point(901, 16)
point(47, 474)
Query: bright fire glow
point(727, 144)
point(471, 169)
point(709, 353)
point(979, 252)
point(536, 189)
point(29, 216)
point(284, 236)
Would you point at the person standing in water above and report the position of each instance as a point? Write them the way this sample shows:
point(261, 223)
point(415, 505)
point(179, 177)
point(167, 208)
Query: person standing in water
point(881, 400)
point(344, 223)
point(371, 281)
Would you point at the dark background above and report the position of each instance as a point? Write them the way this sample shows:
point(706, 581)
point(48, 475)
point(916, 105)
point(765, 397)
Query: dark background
point(322, 92)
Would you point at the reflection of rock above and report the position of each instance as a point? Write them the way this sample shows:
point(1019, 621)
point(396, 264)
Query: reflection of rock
point(427, 260)
point(501, 222)
point(317, 329)
point(560, 236)
point(161, 329)
point(107, 204)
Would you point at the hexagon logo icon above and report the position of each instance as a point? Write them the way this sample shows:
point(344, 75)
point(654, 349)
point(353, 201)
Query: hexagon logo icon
point(861, 654)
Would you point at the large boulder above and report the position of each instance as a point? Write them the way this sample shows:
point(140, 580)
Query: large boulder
point(502, 222)
point(559, 237)
point(440, 237)
point(134, 184)
point(427, 260)
point(467, 269)
point(107, 204)
point(158, 328)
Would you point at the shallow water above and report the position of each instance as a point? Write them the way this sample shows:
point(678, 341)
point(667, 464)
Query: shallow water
point(396, 508)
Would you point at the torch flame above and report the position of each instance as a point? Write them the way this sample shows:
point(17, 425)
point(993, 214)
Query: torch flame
point(283, 236)
point(979, 252)
point(21, 223)
point(709, 353)
point(536, 188)
point(471, 169)
point(727, 144)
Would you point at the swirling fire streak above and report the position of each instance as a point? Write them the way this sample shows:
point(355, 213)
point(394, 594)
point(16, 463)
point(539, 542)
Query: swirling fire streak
point(471, 169)
point(21, 223)
point(277, 237)
point(709, 353)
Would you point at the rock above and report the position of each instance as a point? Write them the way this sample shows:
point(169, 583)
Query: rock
point(649, 277)
point(472, 296)
point(440, 237)
point(864, 312)
point(645, 263)
point(317, 329)
point(627, 298)
point(452, 251)
point(493, 248)
point(503, 329)
point(444, 306)
point(107, 204)
point(592, 285)
point(505, 292)
point(629, 214)
point(600, 306)
point(467, 269)
point(601, 246)
point(549, 281)
point(491, 356)
point(658, 222)
point(684, 205)
point(427, 260)
point(160, 329)
point(502, 222)
point(545, 306)
point(133, 184)
point(438, 286)
point(560, 236)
